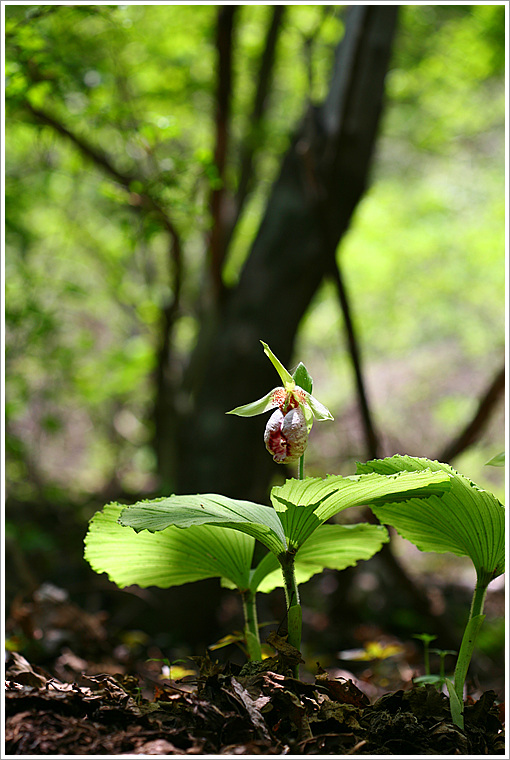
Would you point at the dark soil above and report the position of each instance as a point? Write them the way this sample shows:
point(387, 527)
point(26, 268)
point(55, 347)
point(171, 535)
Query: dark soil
point(74, 686)
point(258, 709)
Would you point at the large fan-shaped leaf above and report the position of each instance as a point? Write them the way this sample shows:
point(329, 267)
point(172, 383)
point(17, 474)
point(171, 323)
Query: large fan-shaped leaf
point(169, 557)
point(330, 546)
point(303, 505)
point(256, 520)
point(466, 520)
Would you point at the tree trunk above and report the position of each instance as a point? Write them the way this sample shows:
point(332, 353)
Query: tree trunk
point(323, 176)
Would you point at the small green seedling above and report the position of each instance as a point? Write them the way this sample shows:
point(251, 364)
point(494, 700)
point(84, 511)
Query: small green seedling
point(172, 670)
point(465, 520)
point(438, 680)
point(426, 638)
point(184, 538)
point(443, 653)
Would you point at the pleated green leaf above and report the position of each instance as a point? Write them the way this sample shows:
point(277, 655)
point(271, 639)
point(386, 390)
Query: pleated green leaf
point(256, 520)
point(466, 520)
point(303, 505)
point(174, 556)
point(330, 546)
point(169, 557)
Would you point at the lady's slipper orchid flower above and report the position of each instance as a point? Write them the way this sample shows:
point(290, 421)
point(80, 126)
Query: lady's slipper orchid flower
point(286, 435)
point(287, 430)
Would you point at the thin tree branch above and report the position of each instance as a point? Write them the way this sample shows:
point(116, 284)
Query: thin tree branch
point(253, 139)
point(474, 428)
point(224, 38)
point(145, 201)
point(371, 438)
point(309, 40)
point(101, 159)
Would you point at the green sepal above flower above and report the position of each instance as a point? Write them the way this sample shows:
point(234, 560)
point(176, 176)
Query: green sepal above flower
point(290, 395)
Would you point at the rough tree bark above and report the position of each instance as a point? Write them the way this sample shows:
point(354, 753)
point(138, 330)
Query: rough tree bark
point(323, 176)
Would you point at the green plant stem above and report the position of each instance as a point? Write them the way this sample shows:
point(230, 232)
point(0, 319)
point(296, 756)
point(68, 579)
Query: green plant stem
point(294, 612)
point(426, 658)
point(441, 667)
point(251, 625)
point(476, 618)
point(287, 561)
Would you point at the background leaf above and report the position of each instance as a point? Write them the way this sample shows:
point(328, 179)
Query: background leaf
point(169, 557)
point(465, 520)
point(498, 460)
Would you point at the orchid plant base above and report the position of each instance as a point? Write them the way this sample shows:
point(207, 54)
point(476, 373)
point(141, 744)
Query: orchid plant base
point(183, 538)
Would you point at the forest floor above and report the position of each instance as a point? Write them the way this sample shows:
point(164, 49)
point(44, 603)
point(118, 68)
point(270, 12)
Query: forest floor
point(257, 709)
point(72, 689)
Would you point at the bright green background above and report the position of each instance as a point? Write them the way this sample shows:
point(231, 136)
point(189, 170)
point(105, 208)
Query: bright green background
point(86, 275)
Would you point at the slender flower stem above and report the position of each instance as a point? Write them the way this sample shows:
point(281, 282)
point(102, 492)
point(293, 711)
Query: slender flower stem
point(251, 625)
point(294, 612)
point(289, 578)
point(476, 618)
point(426, 657)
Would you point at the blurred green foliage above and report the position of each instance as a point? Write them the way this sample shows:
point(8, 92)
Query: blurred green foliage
point(424, 260)
point(88, 272)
